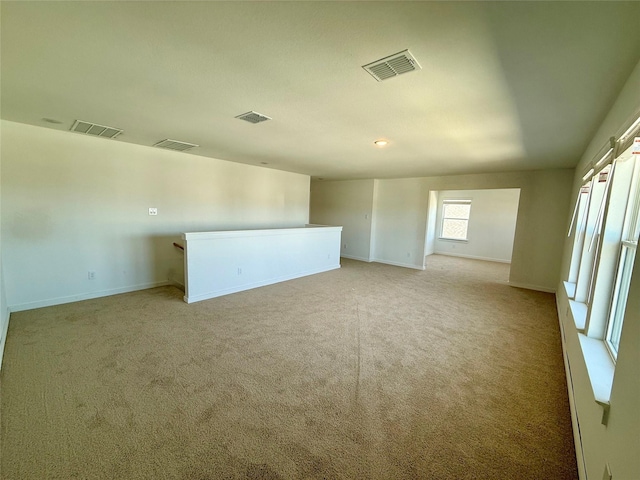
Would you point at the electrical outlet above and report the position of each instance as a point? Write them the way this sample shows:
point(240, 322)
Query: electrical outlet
point(239, 271)
point(91, 275)
point(408, 254)
point(153, 211)
point(344, 246)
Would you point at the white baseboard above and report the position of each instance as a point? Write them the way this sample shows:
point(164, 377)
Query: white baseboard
point(4, 332)
point(177, 284)
point(262, 283)
point(84, 296)
point(354, 257)
point(398, 264)
point(473, 257)
point(528, 286)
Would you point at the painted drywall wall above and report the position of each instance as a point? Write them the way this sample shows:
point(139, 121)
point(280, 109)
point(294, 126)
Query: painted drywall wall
point(401, 212)
point(491, 228)
point(618, 443)
point(402, 207)
point(4, 318)
point(4, 309)
point(399, 218)
point(220, 263)
point(73, 204)
point(432, 222)
point(621, 442)
point(349, 204)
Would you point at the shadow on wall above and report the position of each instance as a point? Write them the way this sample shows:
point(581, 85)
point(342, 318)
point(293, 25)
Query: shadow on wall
point(583, 119)
point(167, 259)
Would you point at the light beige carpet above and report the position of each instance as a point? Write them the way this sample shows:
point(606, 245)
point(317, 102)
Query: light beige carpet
point(367, 372)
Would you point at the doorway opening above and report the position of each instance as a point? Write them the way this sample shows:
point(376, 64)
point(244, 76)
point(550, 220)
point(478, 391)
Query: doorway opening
point(477, 224)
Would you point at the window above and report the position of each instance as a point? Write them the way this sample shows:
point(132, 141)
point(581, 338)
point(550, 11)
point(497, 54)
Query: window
point(587, 223)
point(455, 219)
point(605, 225)
point(604, 232)
point(621, 292)
point(628, 248)
point(605, 177)
point(579, 223)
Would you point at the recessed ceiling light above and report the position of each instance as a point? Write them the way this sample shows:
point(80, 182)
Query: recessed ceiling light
point(380, 143)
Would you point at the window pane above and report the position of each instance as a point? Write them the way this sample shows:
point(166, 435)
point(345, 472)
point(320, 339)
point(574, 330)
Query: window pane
point(620, 299)
point(457, 210)
point(582, 211)
point(456, 229)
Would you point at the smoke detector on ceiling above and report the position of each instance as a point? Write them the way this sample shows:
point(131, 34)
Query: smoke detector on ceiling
point(392, 66)
point(89, 128)
point(253, 117)
point(175, 145)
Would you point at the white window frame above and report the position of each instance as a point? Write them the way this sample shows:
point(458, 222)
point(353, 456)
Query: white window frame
point(452, 201)
point(578, 228)
point(620, 297)
point(594, 245)
point(628, 250)
point(587, 253)
point(613, 230)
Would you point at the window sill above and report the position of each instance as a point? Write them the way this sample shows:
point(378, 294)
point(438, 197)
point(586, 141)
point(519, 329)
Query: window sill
point(600, 368)
point(579, 314)
point(578, 309)
point(570, 288)
point(459, 240)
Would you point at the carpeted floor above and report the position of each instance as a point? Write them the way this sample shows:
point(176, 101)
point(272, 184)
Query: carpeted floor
point(367, 372)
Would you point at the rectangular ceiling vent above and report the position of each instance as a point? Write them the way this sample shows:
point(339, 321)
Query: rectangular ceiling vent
point(175, 145)
point(392, 66)
point(253, 117)
point(94, 129)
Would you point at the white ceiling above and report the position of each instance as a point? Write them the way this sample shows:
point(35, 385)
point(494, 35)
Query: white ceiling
point(504, 85)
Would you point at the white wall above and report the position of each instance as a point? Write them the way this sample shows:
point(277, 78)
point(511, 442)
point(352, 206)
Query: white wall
point(432, 222)
point(540, 227)
point(4, 309)
point(73, 203)
point(491, 228)
point(400, 206)
point(401, 212)
point(348, 204)
point(4, 315)
point(224, 262)
point(618, 443)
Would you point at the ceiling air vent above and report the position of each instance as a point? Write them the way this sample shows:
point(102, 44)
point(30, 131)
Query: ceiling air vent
point(253, 117)
point(95, 129)
point(392, 66)
point(175, 145)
